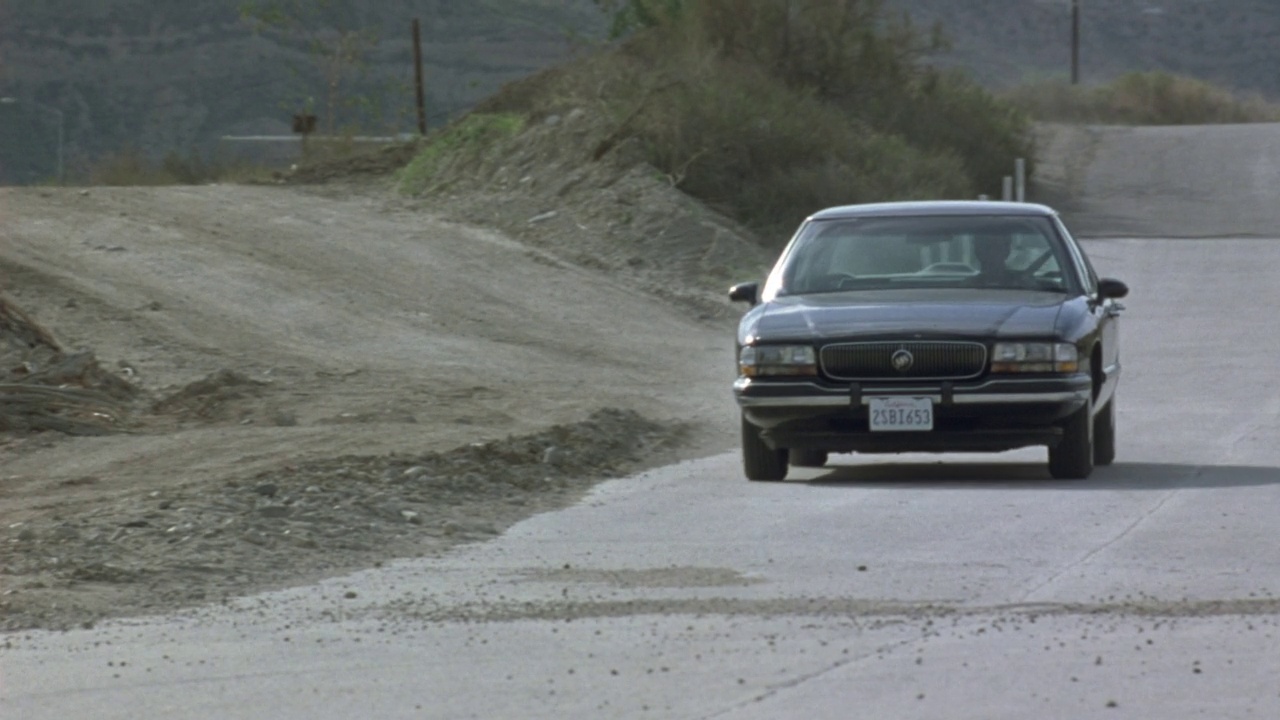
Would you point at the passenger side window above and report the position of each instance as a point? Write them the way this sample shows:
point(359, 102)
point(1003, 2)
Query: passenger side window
point(875, 256)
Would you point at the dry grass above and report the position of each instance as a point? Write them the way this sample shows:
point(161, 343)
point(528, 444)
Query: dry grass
point(1141, 99)
point(133, 168)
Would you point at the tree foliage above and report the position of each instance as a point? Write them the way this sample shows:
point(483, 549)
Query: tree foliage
point(858, 58)
point(632, 15)
point(339, 53)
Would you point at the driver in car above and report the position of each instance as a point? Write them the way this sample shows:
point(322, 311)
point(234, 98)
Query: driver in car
point(993, 252)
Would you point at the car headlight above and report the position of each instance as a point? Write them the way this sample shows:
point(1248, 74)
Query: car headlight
point(765, 360)
point(1033, 357)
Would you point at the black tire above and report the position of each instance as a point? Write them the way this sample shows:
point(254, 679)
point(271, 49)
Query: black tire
point(808, 458)
point(1072, 459)
point(1104, 434)
point(759, 461)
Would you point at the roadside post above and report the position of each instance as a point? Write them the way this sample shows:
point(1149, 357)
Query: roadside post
point(417, 77)
point(304, 124)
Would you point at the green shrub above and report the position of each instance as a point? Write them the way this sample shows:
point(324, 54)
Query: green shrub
point(947, 113)
point(462, 142)
point(771, 109)
point(742, 140)
point(1147, 98)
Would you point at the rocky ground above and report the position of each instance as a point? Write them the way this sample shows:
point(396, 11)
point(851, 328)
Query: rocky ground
point(210, 391)
point(191, 543)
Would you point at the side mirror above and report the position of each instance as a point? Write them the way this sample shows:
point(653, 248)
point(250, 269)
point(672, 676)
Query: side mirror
point(747, 292)
point(1112, 288)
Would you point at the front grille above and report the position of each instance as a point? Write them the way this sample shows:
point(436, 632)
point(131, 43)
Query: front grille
point(929, 360)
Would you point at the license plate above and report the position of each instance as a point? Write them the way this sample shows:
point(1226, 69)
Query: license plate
point(901, 414)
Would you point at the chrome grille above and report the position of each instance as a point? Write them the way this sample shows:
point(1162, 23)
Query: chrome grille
point(930, 360)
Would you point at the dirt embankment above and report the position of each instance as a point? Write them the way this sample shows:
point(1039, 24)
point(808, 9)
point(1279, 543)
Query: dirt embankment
point(259, 386)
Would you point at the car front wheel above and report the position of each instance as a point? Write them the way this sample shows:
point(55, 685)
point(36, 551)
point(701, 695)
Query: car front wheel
point(759, 461)
point(1072, 459)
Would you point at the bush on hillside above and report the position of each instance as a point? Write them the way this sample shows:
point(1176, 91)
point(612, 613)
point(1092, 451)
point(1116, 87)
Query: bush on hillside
point(1145, 98)
point(769, 110)
point(854, 54)
point(463, 142)
point(743, 141)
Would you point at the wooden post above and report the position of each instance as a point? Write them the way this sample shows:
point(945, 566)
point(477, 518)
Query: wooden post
point(304, 124)
point(417, 76)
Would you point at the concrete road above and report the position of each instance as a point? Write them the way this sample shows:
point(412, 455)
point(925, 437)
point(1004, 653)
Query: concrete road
point(899, 588)
point(1187, 181)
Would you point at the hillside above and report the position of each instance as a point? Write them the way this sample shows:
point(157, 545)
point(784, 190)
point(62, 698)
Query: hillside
point(173, 77)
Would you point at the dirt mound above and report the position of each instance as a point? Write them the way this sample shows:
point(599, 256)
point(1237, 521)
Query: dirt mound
point(575, 184)
point(210, 398)
point(19, 333)
point(245, 479)
point(191, 543)
point(383, 161)
point(44, 388)
point(569, 184)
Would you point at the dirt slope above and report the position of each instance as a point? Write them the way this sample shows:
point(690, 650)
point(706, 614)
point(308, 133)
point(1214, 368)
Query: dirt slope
point(324, 381)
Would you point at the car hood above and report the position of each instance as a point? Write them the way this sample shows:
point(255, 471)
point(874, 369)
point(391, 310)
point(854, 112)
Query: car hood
point(929, 313)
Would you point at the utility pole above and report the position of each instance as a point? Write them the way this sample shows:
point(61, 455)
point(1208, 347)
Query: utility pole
point(1075, 42)
point(417, 77)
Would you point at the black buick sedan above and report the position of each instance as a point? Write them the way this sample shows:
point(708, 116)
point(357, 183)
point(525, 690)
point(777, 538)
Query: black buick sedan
point(929, 327)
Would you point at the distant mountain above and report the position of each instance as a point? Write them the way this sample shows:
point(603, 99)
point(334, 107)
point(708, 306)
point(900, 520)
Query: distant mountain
point(174, 75)
point(168, 75)
point(1234, 43)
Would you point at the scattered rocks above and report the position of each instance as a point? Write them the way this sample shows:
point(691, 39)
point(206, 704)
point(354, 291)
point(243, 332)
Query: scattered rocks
point(210, 398)
point(305, 520)
point(43, 387)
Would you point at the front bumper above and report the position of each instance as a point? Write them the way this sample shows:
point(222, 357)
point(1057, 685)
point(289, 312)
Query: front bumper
point(985, 415)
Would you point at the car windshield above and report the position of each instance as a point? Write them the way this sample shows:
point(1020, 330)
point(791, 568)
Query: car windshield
point(880, 253)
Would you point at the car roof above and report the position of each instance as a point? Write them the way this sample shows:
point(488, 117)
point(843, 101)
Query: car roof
point(937, 208)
